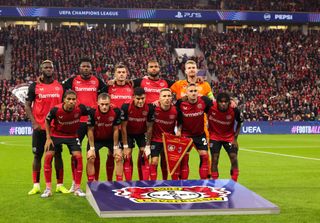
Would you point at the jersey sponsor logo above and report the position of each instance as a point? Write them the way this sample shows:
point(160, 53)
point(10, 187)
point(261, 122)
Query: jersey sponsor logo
point(195, 114)
point(132, 119)
point(43, 96)
point(173, 195)
point(219, 121)
point(114, 96)
point(151, 90)
point(89, 89)
point(100, 124)
point(73, 122)
point(164, 122)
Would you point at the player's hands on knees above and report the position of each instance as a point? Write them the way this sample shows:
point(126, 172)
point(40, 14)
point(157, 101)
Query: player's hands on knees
point(126, 151)
point(117, 153)
point(147, 150)
point(91, 154)
point(36, 126)
point(49, 144)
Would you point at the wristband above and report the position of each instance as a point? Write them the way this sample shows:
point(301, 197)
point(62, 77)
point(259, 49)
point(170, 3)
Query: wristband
point(125, 146)
point(91, 147)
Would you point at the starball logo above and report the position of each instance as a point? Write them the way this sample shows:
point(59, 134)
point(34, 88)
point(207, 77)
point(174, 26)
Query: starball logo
point(173, 195)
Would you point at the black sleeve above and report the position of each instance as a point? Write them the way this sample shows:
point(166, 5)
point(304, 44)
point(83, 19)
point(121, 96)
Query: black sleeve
point(150, 117)
point(67, 84)
point(102, 86)
point(85, 110)
point(137, 82)
point(31, 95)
point(117, 120)
point(179, 118)
point(169, 82)
point(208, 103)
point(52, 114)
point(238, 116)
point(124, 112)
point(91, 120)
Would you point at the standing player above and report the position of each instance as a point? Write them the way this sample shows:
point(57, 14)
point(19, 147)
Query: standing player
point(179, 88)
point(136, 126)
point(222, 118)
point(42, 96)
point(106, 134)
point(191, 124)
point(87, 86)
point(165, 117)
point(152, 84)
point(63, 130)
point(120, 92)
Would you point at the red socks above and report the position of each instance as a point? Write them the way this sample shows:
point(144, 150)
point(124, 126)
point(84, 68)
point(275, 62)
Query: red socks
point(145, 167)
point(184, 171)
point(204, 166)
point(128, 168)
point(215, 175)
point(96, 166)
point(78, 169)
point(234, 174)
point(164, 167)
point(153, 172)
point(48, 168)
point(36, 176)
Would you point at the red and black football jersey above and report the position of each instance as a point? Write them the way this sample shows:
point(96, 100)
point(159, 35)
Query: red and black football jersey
point(137, 117)
point(191, 116)
point(164, 121)
point(44, 97)
point(152, 87)
point(221, 124)
point(65, 124)
point(104, 122)
point(87, 90)
point(120, 94)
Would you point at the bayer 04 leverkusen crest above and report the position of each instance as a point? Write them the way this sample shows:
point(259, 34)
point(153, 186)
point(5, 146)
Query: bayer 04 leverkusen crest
point(173, 195)
point(175, 149)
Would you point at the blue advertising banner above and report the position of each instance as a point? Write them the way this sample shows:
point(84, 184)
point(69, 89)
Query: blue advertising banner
point(278, 127)
point(274, 127)
point(175, 197)
point(159, 14)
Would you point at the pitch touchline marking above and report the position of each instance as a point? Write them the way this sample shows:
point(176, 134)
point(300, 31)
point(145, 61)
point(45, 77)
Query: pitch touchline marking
point(281, 147)
point(280, 154)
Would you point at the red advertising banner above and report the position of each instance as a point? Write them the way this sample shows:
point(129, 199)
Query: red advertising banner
point(175, 148)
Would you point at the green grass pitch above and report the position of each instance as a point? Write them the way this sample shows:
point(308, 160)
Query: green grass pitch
point(284, 169)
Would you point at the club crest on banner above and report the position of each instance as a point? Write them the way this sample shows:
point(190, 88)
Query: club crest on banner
point(173, 195)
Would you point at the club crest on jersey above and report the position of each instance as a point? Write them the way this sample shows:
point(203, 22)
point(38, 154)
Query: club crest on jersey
point(76, 115)
point(78, 82)
point(172, 116)
point(162, 84)
point(228, 117)
point(199, 106)
point(173, 195)
point(144, 113)
point(111, 119)
point(57, 88)
point(92, 82)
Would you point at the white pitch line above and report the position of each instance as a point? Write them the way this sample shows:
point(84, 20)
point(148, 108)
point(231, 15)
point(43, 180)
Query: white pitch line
point(280, 154)
point(281, 147)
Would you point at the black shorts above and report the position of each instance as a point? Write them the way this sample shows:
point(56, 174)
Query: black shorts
point(200, 142)
point(215, 147)
point(156, 148)
point(73, 144)
point(82, 131)
point(99, 144)
point(38, 141)
point(139, 139)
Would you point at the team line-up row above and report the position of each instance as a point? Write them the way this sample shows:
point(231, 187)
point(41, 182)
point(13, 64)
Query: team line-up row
point(137, 111)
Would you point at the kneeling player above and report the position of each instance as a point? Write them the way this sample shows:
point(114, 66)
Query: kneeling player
point(66, 121)
point(222, 118)
point(106, 123)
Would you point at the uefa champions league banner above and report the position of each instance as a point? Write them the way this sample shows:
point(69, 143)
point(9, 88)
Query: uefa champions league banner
point(158, 14)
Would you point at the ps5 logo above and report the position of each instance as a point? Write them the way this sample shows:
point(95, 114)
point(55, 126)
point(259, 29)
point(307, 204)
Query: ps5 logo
point(180, 15)
point(267, 16)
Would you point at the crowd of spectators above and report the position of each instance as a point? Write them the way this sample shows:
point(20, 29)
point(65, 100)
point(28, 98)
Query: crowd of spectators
point(274, 74)
point(251, 5)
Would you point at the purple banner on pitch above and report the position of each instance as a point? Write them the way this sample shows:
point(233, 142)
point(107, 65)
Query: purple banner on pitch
point(117, 199)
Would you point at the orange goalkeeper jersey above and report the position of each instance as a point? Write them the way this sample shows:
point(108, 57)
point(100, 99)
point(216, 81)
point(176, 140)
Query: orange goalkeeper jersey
point(179, 88)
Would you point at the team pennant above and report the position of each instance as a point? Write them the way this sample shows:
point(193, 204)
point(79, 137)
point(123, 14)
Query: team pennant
point(175, 148)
